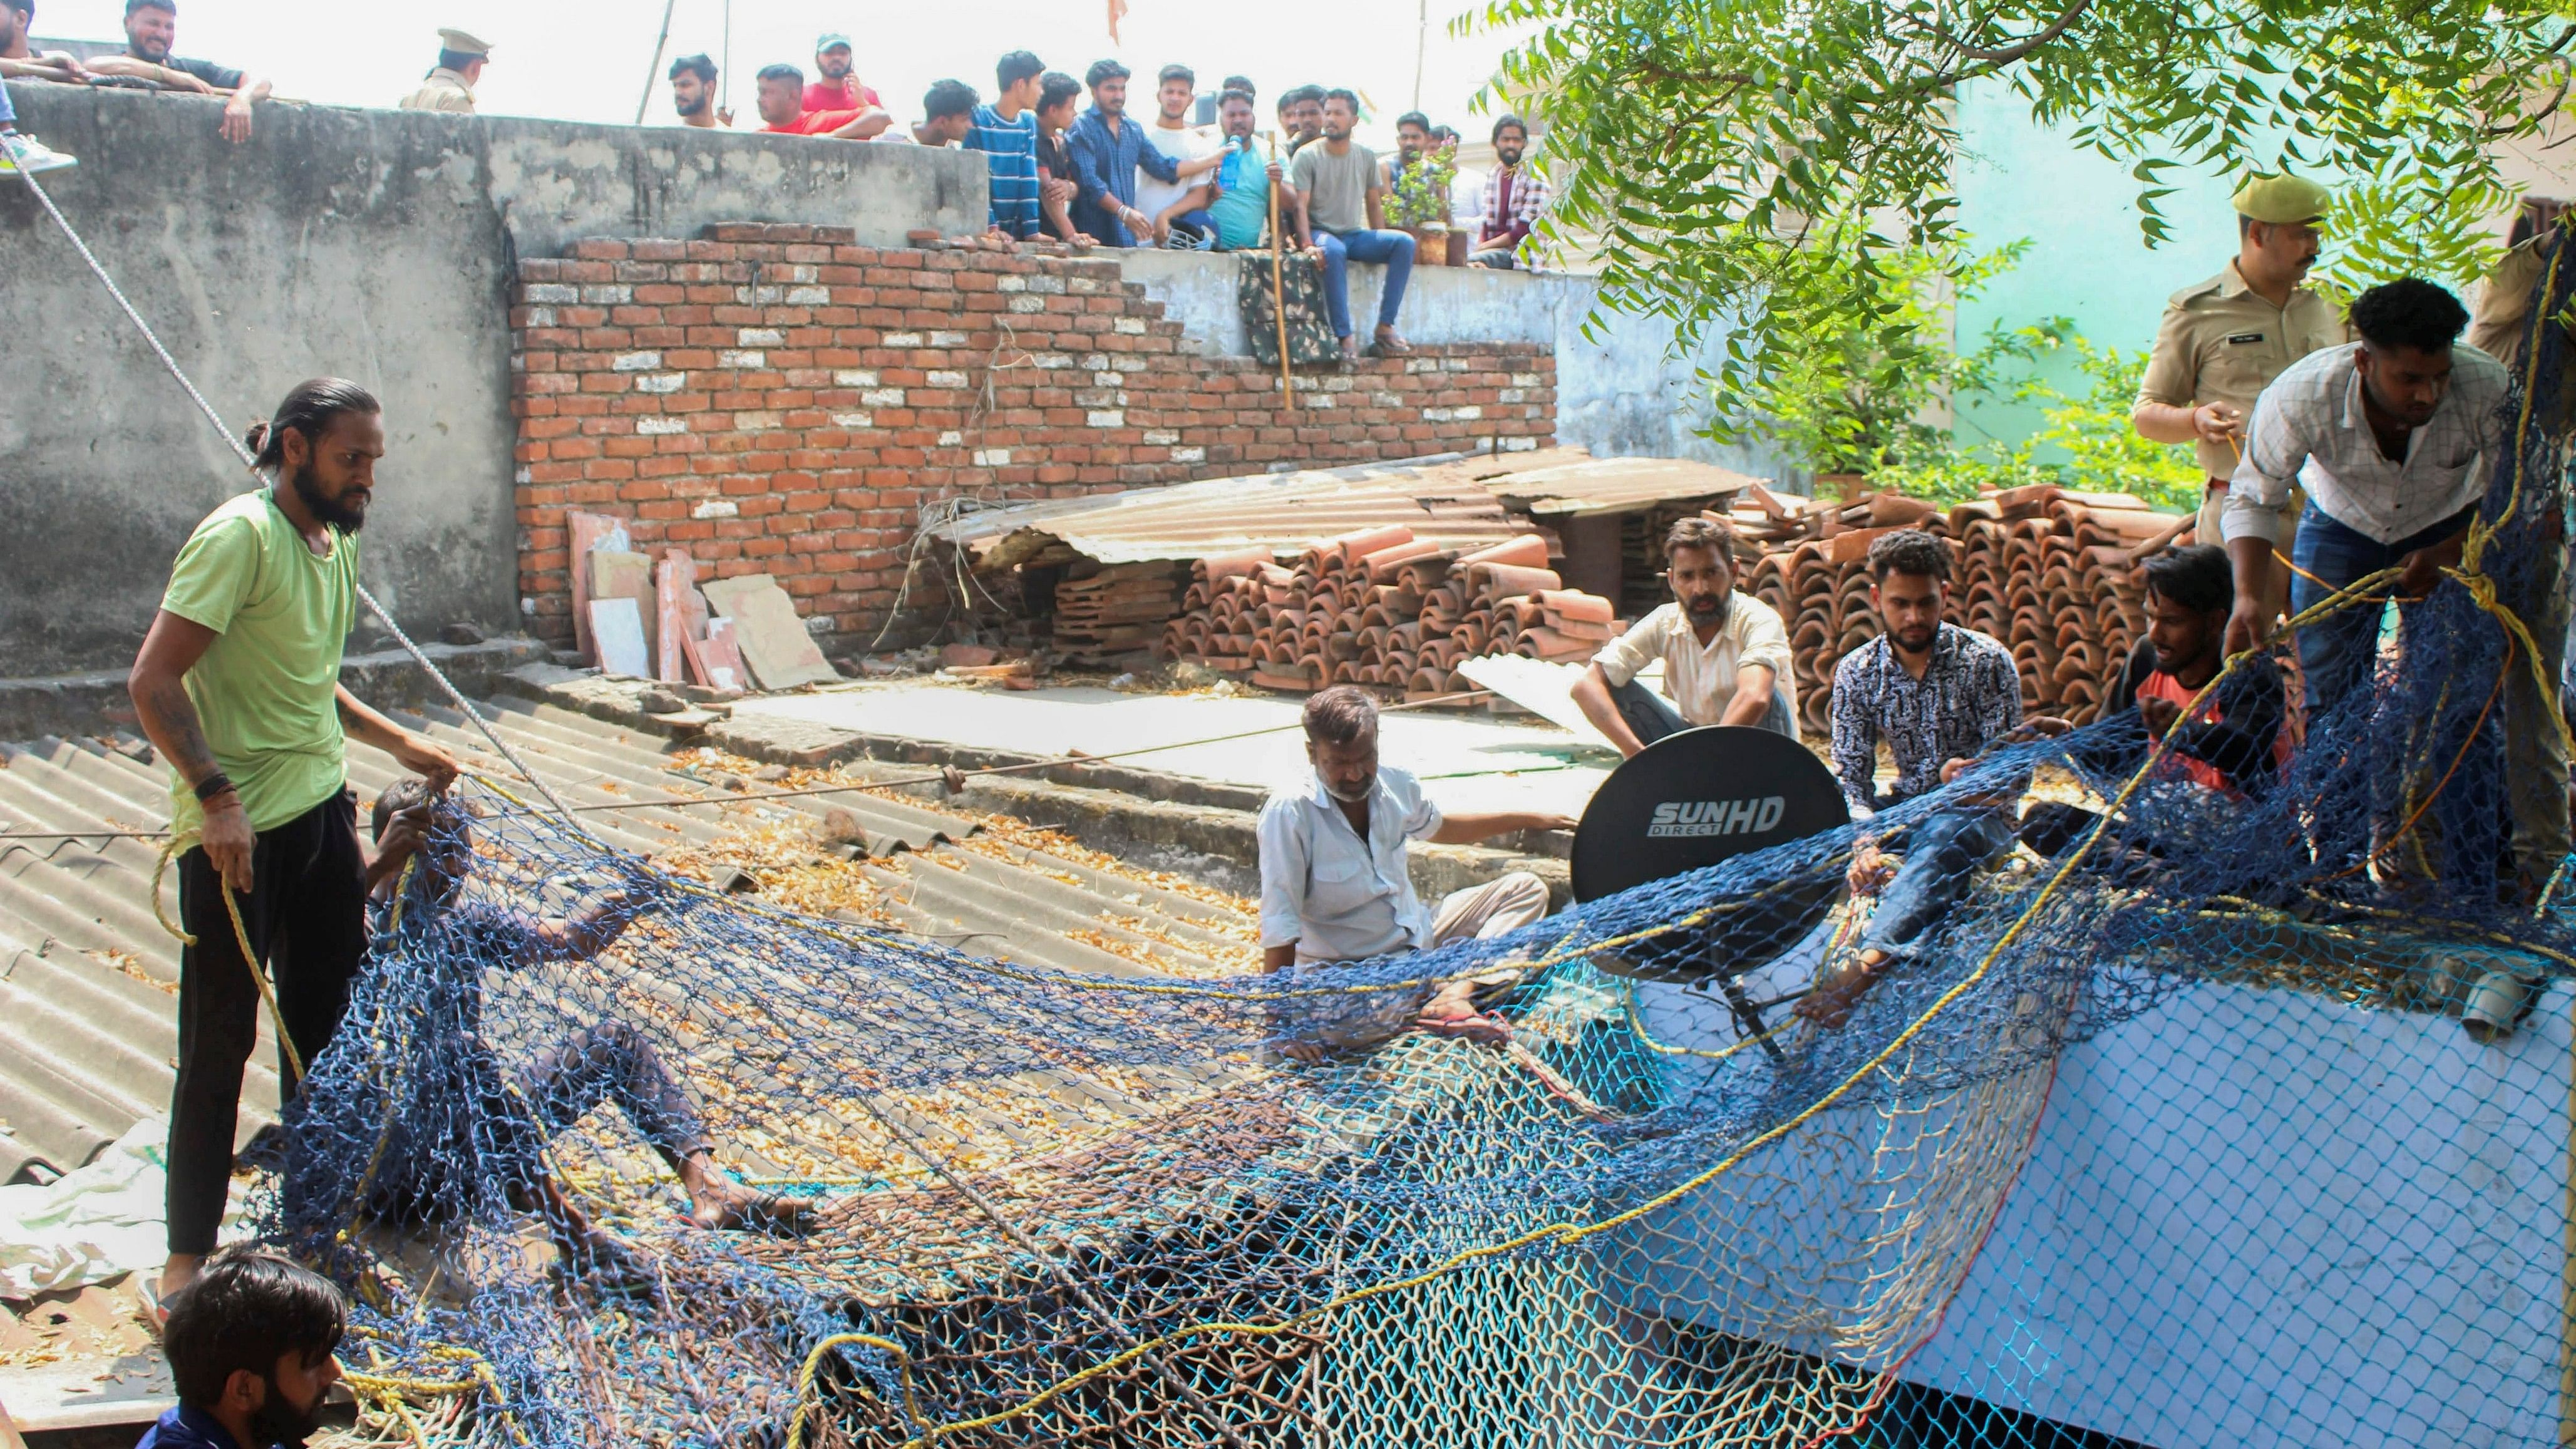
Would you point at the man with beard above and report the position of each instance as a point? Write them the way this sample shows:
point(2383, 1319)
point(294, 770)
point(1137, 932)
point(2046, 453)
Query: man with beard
point(1341, 212)
point(1109, 153)
point(693, 93)
point(838, 90)
point(1937, 695)
point(1334, 885)
point(1725, 654)
point(2233, 744)
point(151, 26)
point(251, 1346)
point(2394, 440)
point(238, 686)
point(1244, 178)
point(1510, 200)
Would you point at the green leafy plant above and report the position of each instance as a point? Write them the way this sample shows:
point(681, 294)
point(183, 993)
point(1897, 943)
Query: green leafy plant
point(1765, 171)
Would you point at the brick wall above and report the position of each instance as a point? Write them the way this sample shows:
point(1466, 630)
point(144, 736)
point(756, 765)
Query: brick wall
point(777, 399)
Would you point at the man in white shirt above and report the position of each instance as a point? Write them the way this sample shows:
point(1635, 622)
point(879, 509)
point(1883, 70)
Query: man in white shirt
point(1726, 655)
point(1178, 208)
point(2393, 440)
point(1334, 886)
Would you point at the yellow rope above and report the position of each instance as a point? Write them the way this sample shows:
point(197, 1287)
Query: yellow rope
point(241, 937)
point(814, 1363)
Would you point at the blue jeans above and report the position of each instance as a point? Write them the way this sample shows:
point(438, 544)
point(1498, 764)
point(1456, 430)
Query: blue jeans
point(2337, 655)
point(1395, 248)
point(1650, 716)
point(8, 112)
point(1942, 852)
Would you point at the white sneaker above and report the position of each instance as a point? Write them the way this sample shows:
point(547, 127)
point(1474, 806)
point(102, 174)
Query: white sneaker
point(26, 153)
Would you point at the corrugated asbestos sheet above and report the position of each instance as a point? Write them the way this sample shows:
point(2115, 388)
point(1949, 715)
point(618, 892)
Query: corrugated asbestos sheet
point(1463, 503)
point(89, 980)
point(1613, 485)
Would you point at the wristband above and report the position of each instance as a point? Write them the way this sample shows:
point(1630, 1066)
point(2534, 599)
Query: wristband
point(212, 786)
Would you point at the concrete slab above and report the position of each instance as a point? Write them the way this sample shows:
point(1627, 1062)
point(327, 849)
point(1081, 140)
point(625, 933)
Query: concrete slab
point(1466, 763)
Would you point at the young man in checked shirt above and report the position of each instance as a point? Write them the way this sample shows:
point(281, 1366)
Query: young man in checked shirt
point(1939, 696)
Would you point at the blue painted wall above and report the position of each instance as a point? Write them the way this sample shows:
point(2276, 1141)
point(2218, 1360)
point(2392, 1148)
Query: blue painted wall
point(2088, 260)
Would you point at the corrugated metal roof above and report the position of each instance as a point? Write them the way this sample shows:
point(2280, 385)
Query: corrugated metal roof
point(1462, 502)
point(88, 979)
point(1287, 512)
point(1613, 485)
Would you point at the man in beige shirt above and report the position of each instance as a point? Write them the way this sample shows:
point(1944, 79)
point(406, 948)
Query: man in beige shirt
point(451, 86)
point(2535, 755)
point(1726, 655)
point(2223, 340)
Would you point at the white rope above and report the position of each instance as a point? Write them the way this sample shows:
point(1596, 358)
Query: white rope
point(242, 451)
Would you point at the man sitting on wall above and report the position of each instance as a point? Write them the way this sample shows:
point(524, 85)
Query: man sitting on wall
point(1334, 884)
point(1938, 696)
point(782, 109)
point(1725, 654)
point(1341, 209)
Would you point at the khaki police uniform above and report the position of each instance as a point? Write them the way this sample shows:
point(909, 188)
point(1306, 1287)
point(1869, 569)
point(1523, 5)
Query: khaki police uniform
point(445, 90)
point(2221, 341)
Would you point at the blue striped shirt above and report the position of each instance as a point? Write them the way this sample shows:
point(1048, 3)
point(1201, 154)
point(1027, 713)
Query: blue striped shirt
point(1011, 154)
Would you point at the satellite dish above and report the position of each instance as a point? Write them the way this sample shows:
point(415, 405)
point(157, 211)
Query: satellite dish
point(1694, 799)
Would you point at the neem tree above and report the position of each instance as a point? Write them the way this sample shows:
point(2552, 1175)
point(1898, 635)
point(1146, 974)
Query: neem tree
point(1785, 166)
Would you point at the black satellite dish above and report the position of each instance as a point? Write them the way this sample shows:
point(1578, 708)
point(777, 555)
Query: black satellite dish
point(1694, 799)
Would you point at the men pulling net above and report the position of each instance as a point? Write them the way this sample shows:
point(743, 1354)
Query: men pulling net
point(1069, 1209)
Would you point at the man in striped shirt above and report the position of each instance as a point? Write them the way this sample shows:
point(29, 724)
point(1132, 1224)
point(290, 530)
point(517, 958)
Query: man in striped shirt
point(1007, 133)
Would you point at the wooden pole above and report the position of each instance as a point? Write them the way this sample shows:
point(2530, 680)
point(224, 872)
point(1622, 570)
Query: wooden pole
point(653, 72)
point(1279, 285)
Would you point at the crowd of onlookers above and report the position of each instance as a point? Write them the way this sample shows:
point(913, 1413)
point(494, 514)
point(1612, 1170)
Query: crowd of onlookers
point(1106, 175)
point(1087, 174)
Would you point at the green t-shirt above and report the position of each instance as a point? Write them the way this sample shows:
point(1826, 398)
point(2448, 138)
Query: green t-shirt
point(264, 689)
point(1336, 187)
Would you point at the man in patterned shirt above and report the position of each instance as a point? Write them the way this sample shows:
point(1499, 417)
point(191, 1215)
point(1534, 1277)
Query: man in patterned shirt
point(1939, 696)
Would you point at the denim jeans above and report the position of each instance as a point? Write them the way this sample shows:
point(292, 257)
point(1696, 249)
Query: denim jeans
point(8, 112)
point(1395, 248)
point(1650, 716)
point(2337, 655)
point(1942, 852)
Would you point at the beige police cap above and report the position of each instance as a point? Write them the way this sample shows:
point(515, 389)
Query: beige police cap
point(2280, 198)
point(461, 43)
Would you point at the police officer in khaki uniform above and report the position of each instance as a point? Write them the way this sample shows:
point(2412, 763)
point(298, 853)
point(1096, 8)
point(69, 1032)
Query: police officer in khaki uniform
point(451, 86)
point(2224, 340)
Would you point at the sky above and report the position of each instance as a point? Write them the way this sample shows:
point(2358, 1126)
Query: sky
point(586, 60)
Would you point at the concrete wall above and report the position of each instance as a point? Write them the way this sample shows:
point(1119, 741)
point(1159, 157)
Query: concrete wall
point(1620, 392)
point(373, 244)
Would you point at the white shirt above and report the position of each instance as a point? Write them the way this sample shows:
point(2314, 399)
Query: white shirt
point(1701, 679)
point(2308, 426)
point(1186, 144)
point(1341, 898)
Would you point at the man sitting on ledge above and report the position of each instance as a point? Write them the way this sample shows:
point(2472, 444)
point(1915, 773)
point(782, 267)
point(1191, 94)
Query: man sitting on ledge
point(1726, 655)
point(1334, 885)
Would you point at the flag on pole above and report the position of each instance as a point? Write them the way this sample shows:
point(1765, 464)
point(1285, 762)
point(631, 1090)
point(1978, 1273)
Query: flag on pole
point(1117, 12)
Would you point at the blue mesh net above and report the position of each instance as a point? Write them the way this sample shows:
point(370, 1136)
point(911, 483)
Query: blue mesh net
point(1051, 1208)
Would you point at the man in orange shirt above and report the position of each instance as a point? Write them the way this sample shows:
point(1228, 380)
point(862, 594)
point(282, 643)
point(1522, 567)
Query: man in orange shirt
point(782, 108)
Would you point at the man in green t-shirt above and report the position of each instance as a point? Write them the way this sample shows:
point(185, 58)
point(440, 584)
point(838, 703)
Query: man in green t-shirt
point(1341, 215)
point(238, 684)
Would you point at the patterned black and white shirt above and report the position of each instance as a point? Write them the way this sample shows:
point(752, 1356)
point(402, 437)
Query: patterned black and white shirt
point(1969, 694)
